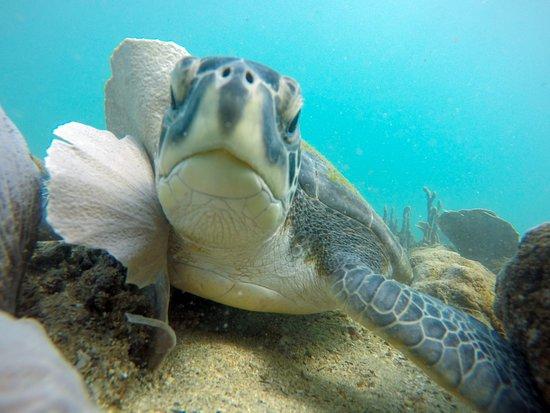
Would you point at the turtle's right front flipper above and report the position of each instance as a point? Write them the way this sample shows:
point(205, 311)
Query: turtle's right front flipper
point(459, 352)
point(101, 194)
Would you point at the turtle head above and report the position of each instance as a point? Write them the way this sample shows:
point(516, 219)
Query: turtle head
point(229, 151)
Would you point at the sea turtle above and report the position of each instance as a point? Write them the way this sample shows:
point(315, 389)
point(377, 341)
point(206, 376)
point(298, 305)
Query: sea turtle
point(226, 201)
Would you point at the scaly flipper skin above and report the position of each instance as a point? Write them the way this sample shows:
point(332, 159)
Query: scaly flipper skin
point(459, 352)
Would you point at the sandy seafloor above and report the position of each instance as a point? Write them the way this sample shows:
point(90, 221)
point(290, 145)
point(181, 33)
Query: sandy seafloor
point(226, 359)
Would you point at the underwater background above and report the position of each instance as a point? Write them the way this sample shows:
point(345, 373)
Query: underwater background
point(398, 94)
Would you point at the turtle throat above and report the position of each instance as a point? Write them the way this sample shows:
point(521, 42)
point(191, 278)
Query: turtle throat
point(214, 199)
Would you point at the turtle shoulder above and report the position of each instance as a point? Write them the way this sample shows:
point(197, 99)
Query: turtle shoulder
point(327, 190)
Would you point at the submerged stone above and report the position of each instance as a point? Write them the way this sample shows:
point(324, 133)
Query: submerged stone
point(481, 235)
point(523, 303)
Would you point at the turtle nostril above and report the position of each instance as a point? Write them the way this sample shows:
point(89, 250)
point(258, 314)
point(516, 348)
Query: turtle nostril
point(226, 72)
point(249, 77)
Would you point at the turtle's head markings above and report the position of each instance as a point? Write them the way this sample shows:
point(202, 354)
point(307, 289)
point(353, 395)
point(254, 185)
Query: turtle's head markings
point(229, 151)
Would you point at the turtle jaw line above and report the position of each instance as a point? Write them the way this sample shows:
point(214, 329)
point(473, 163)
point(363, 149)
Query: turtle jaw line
point(211, 198)
point(176, 167)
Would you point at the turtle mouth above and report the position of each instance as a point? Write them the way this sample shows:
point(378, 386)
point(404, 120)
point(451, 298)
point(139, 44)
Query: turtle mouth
point(219, 173)
point(215, 198)
point(207, 152)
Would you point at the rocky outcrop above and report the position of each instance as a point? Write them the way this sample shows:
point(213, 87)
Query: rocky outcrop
point(523, 303)
point(480, 235)
point(455, 280)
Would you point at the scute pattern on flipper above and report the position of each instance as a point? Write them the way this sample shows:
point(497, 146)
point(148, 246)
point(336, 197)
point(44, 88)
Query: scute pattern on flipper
point(455, 349)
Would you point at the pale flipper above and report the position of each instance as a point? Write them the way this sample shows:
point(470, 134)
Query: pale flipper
point(459, 352)
point(102, 195)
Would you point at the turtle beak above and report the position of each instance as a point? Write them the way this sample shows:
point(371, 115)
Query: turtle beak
point(233, 97)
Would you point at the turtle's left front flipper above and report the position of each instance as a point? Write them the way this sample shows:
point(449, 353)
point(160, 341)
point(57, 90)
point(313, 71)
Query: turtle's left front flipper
point(101, 194)
point(459, 352)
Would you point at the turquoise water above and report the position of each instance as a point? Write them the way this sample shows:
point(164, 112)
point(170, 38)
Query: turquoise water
point(398, 94)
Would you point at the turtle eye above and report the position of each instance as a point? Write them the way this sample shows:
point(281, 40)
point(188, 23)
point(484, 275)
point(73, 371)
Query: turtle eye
point(291, 134)
point(181, 79)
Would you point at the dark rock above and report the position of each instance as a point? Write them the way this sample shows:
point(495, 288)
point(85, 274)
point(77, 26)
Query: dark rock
point(480, 235)
point(523, 303)
point(55, 284)
point(95, 282)
point(49, 254)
